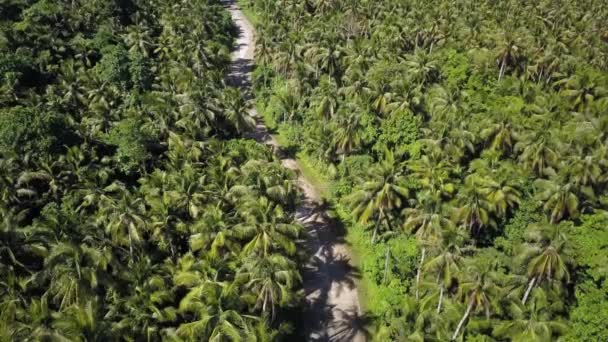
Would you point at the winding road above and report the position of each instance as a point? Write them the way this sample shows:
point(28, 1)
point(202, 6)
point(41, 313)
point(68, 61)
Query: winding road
point(332, 311)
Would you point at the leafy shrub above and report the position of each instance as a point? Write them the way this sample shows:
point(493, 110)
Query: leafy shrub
point(131, 142)
point(28, 130)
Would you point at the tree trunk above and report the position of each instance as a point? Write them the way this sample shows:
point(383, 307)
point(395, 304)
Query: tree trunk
point(388, 221)
point(172, 248)
point(528, 290)
point(375, 231)
point(388, 250)
point(419, 272)
point(463, 319)
point(502, 68)
point(264, 305)
point(130, 244)
point(440, 299)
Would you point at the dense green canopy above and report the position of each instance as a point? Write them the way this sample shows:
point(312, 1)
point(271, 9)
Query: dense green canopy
point(471, 131)
point(130, 209)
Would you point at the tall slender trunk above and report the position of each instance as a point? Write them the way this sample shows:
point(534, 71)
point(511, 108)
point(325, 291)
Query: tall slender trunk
point(130, 244)
point(440, 299)
point(528, 290)
point(463, 319)
point(375, 231)
point(502, 68)
point(172, 248)
point(264, 305)
point(388, 221)
point(419, 272)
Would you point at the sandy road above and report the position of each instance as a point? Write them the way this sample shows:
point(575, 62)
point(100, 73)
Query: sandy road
point(332, 311)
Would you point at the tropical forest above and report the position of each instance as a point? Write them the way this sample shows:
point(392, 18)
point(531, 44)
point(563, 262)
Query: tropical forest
point(304, 170)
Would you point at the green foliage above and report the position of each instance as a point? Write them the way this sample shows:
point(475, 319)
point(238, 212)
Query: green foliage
point(139, 69)
point(131, 207)
point(28, 130)
point(588, 317)
point(114, 66)
point(384, 289)
point(515, 228)
point(398, 132)
point(455, 68)
point(131, 142)
point(590, 243)
point(497, 132)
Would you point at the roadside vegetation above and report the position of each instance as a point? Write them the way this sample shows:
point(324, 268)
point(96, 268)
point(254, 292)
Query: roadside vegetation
point(468, 150)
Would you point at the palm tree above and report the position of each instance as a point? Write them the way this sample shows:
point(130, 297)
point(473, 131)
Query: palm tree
point(545, 255)
point(530, 323)
point(538, 152)
point(270, 280)
point(237, 110)
point(124, 217)
point(263, 229)
point(444, 103)
point(75, 272)
point(427, 222)
point(347, 136)
point(477, 292)
point(500, 135)
point(422, 67)
point(582, 89)
point(420, 322)
point(502, 194)
point(433, 172)
point(509, 53)
point(212, 236)
point(447, 262)
point(560, 200)
point(188, 192)
point(18, 245)
point(82, 322)
point(287, 102)
point(475, 211)
point(585, 171)
point(212, 319)
point(382, 192)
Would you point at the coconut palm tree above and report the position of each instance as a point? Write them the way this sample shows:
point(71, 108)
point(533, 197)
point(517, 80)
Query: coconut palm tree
point(447, 262)
point(475, 210)
point(237, 110)
point(530, 323)
point(123, 216)
point(381, 193)
point(560, 199)
point(427, 222)
point(545, 256)
point(477, 292)
point(264, 230)
point(269, 282)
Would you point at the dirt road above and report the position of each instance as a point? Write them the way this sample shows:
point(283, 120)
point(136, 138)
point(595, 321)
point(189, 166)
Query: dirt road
point(332, 311)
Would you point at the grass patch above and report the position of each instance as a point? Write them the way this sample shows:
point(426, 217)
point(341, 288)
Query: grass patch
point(249, 13)
point(269, 121)
point(381, 289)
point(312, 173)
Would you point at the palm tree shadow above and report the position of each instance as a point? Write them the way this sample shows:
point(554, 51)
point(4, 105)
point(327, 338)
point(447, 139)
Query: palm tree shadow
point(328, 273)
point(239, 75)
point(349, 324)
